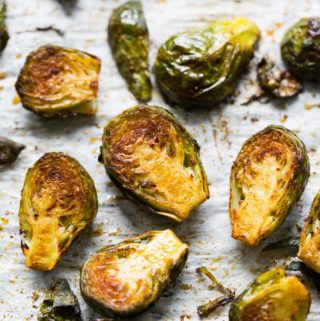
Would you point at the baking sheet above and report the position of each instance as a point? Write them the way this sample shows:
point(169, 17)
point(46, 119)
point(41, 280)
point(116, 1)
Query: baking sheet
point(220, 133)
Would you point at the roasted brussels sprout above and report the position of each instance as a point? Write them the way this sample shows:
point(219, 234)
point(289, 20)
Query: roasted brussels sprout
point(277, 82)
point(4, 36)
point(310, 237)
point(58, 201)
point(56, 81)
point(60, 304)
point(9, 150)
point(200, 68)
point(127, 278)
point(273, 296)
point(153, 159)
point(267, 178)
point(129, 41)
point(300, 49)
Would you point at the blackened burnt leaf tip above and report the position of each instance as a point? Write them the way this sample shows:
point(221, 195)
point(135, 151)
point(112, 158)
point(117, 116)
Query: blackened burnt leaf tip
point(128, 37)
point(60, 304)
point(9, 150)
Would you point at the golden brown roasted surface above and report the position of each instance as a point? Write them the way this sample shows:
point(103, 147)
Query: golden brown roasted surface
point(273, 296)
point(58, 81)
point(126, 278)
point(58, 201)
point(267, 178)
point(149, 154)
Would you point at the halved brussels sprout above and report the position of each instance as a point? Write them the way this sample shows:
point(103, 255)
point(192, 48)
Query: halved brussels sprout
point(267, 178)
point(60, 304)
point(58, 201)
point(273, 296)
point(300, 49)
point(127, 278)
point(9, 150)
point(129, 41)
point(56, 81)
point(153, 159)
point(277, 82)
point(310, 237)
point(4, 36)
point(200, 68)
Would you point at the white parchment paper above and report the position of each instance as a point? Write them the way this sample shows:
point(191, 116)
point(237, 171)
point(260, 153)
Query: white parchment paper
point(220, 133)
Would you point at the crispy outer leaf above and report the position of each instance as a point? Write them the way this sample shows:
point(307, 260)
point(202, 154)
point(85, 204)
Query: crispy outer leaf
point(9, 150)
point(129, 41)
point(60, 304)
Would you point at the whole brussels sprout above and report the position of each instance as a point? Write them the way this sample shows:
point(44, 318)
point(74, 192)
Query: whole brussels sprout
point(300, 49)
point(4, 36)
point(60, 304)
point(127, 278)
point(267, 178)
point(56, 81)
point(273, 296)
point(310, 237)
point(153, 159)
point(277, 82)
point(129, 41)
point(200, 68)
point(58, 201)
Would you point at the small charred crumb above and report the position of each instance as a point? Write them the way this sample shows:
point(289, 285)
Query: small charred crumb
point(277, 82)
point(60, 304)
point(9, 150)
point(58, 31)
point(227, 297)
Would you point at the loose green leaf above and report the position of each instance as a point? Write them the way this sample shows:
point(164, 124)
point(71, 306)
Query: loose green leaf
point(129, 42)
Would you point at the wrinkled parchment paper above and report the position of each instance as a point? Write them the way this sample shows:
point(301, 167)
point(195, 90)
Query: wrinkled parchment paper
point(220, 134)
